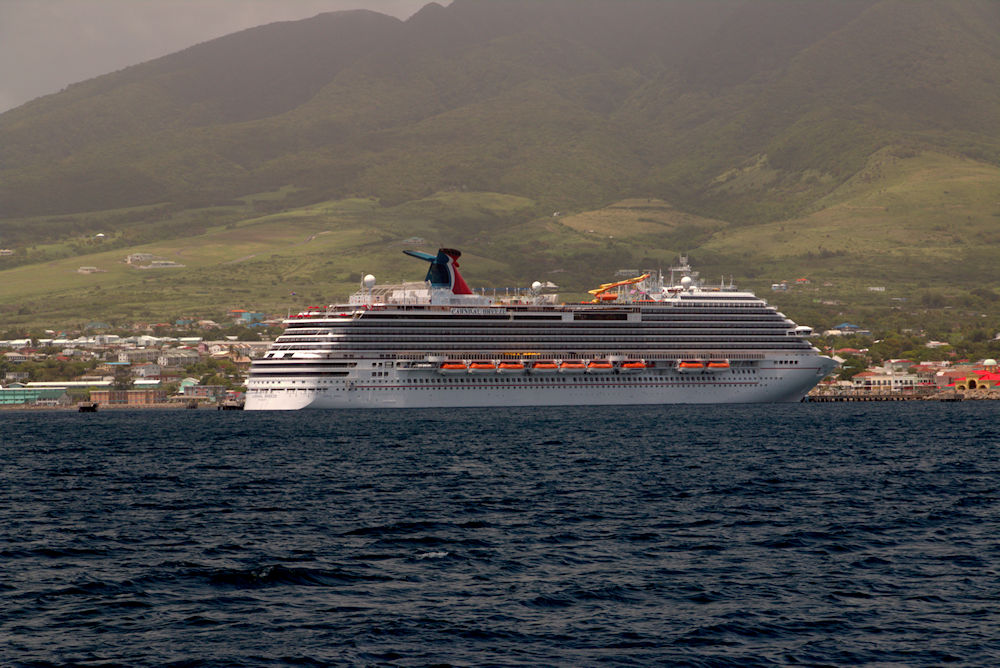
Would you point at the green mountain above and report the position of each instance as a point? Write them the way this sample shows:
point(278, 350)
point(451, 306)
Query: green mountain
point(753, 123)
point(573, 103)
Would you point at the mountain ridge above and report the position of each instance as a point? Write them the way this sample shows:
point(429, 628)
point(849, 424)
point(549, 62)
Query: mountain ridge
point(750, 114)
point(687, 90)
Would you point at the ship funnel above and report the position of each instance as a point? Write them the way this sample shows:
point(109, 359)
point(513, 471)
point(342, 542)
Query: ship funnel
point(443, 272)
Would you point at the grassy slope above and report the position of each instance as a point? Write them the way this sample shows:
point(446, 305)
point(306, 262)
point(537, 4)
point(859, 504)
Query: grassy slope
point(910, 222)
point(257, 262)
point(904, 219)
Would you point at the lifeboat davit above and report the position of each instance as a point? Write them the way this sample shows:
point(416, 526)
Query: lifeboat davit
point(544, 367)
point(690, 366)
point(572, 366)
point(633, 366)
point(452, 367)
point(510, 367)
point(482, 367)
point(600, 366)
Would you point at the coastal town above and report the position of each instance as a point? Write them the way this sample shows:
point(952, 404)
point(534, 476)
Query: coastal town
point(934, 370)
point(192, 363)
point(187, 363)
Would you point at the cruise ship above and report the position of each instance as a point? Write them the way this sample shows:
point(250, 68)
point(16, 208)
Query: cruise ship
point(646, 339)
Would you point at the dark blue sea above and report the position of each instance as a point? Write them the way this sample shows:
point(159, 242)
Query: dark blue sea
point(804, 534)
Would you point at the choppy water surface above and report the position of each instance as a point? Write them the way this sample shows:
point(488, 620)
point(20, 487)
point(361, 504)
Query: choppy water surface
point(834, 534)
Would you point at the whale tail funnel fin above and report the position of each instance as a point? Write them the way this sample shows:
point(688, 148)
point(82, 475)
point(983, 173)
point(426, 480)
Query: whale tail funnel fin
point(443, 272)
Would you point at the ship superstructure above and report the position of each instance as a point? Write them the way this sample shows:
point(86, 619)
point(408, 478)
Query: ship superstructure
point(642, 340)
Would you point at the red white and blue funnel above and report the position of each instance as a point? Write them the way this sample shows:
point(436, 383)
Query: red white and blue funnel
point(443, 272)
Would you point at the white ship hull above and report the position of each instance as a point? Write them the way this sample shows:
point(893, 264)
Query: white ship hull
point(766, 385)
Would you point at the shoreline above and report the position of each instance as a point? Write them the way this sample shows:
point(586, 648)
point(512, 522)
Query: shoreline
point(75, 408)
point(817, 398)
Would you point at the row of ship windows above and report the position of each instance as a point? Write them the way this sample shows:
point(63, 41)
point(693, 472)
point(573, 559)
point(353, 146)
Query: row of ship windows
point(735, 321)
point(561, 335)
point(576, 342)
point(404, 321)
point(540, 380)
point(701, 308)
point(552, 348)
point(558, 380)
point(263, 365)
point(534, 379)
point(521, 340)
point(777, 329)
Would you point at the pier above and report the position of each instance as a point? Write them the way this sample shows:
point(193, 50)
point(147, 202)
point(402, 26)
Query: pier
point(831, 396)
point(828, 398)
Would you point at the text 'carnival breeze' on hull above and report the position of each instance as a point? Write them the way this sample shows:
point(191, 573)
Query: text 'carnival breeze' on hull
point(437, 345)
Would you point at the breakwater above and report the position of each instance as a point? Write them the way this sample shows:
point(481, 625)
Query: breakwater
point(831, 396)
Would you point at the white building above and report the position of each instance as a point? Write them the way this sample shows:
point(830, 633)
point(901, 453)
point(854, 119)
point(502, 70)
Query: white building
point(870, 381)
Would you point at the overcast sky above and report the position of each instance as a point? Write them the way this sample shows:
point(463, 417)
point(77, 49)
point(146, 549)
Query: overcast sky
point(46, 45)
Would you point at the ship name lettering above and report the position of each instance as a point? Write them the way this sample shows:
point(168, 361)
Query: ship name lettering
point(478, 311)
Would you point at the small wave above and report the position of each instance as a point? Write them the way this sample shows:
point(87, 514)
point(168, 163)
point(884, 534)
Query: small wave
point(850, 594)
point(431, 555)
point(643, 537)
point(224, 549)
point(54, 552)
point(549, 602)
point(964, 560)
point(87, 589)
point(870, 562)
point(561, 539)
point(976, 501)
point(374, 557)
point(278, 575)
point(706, 597)
point(200, 621)
point(614, 593)
point(490, 635)
point(309, 661)
point(398, 527)
point(927, 598)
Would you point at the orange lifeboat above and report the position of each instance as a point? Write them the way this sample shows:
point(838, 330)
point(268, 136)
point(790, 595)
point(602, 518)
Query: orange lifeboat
point(690, 366)
point(482, 367)
point(510, 367)
point(600, 366)
point(544, 367)
point(718, 365)
point(633, 365)
point(608, 296)
point(572, 366)
point(453, 367)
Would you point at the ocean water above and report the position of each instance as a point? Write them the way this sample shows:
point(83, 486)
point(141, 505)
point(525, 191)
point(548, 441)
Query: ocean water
point(823, 534)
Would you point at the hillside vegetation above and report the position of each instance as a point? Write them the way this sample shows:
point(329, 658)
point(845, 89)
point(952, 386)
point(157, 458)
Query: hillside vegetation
point(857, 141)
point(317, 254)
